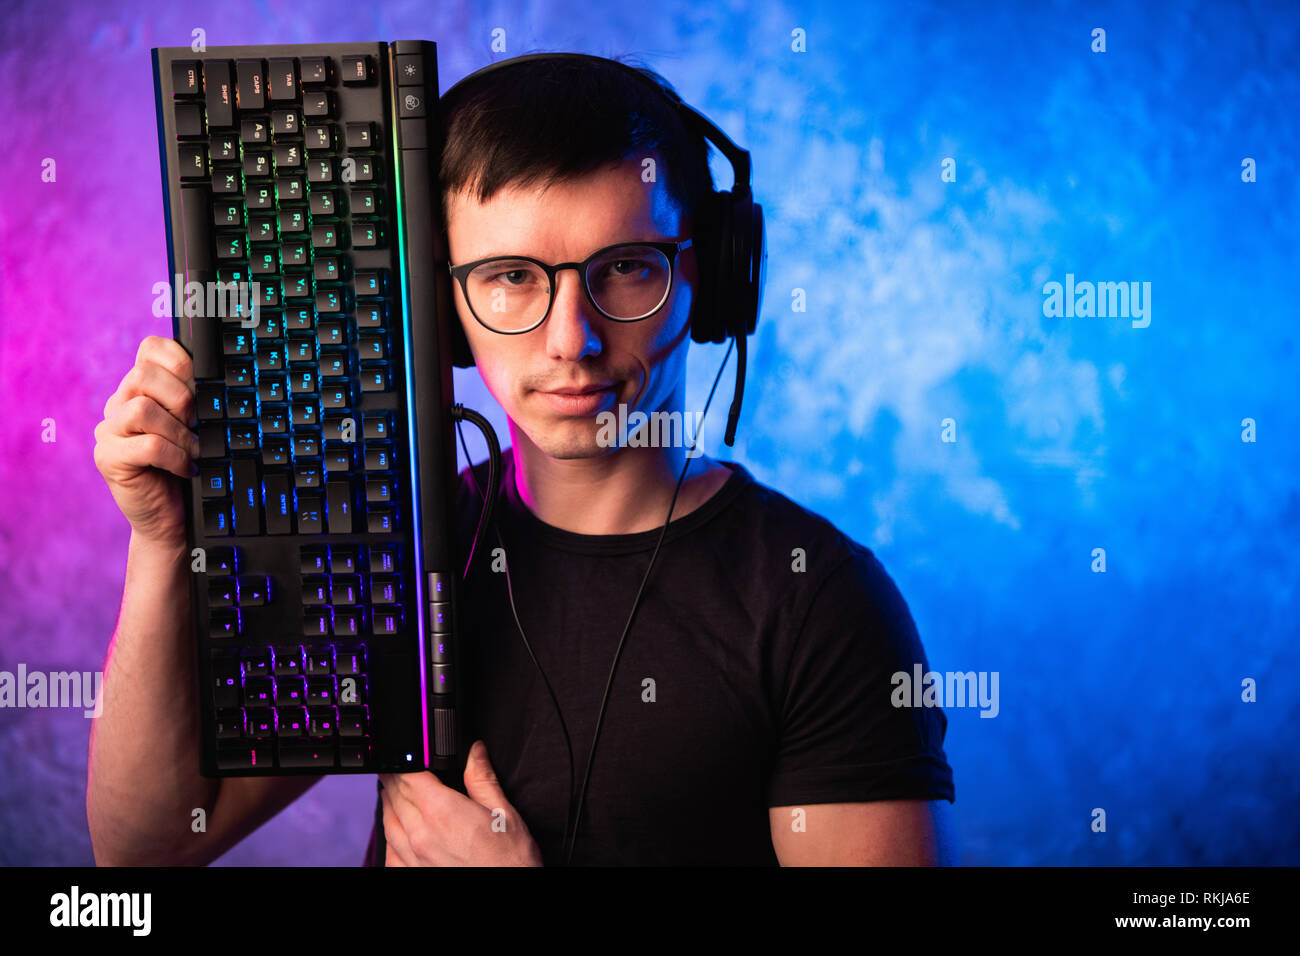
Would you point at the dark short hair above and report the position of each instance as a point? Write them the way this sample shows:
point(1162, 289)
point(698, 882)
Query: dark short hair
point(544, 121)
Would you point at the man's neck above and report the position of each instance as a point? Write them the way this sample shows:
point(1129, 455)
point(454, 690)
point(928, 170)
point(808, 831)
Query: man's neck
point(625, 492)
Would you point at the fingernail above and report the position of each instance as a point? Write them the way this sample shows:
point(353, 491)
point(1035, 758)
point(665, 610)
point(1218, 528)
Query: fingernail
point(194, 444)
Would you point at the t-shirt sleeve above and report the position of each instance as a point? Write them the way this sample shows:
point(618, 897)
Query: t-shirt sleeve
point(841, 739)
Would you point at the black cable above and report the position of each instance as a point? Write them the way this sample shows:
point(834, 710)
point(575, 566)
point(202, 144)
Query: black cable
point(582, 796)
point(494, 448)
point(460, 413)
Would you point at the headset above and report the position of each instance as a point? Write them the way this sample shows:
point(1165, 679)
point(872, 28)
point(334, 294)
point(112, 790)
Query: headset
point(732, 258)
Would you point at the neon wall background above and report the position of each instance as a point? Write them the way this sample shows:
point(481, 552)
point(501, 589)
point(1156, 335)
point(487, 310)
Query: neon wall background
point(1120, 690)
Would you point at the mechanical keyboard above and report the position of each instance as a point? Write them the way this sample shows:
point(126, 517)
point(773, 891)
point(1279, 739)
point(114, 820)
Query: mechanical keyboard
point(302, 226)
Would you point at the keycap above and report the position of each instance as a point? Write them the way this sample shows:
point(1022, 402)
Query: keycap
point(251, 84)
point(356, 70)
point(319, 752)
point(247, 497)
point(187, 78)
point(282, 81)
point(279, 502)
point(309, 513)
point(224, 622)
point(219, 86)
point(243, 755)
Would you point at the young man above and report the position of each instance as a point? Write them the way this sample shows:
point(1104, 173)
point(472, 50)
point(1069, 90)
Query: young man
point(749, 719)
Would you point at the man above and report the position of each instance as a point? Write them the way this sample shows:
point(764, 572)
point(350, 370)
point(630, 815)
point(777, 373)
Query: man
point(749, 718)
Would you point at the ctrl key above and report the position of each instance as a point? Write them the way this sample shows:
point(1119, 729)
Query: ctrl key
point(244, 755)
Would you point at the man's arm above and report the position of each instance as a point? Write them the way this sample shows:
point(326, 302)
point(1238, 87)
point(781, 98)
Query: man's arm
point(878, 833)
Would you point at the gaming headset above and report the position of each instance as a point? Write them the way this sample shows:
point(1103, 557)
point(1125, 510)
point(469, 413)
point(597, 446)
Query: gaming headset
point(728, 236)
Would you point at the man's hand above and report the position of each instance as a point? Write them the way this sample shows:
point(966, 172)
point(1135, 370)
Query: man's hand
point(426, 823)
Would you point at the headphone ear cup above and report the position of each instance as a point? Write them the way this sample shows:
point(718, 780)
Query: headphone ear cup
point(708, 322)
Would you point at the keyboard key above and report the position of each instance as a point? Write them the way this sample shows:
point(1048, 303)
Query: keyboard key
point(187, 78)
point(317, 104)
point(307, 752)
point(320, 662)
point(350, 662)
point(385, 589)
point(216, 518)
point(316, 622)
point(343, 560)
point(381, 519)
point(315, 71)
point(310, 513)
point(246, 754)
point(257, 663)
point(292, 721)
point(354, 752)
point(356, 70)
point(193, 162)
point(275, 451)
point(388, 620)
point(221, 561)
point(290, 691)
point(307, 473)
point(189, 121)
point(212, 440)
point(251, 84)
point(320, 137)
point(254, 591)
point(353, 721)
point(247, 494)
point(383, 558)
point(219, 85)
point(379, 490)
point(282, 82)
point(322, 721)
point(243, 438)
point(259, 692)
point(241, 403)
point(379, 456)
point(224, 622)
point(288, 660)
point(313, 560)
point(345, 590)
point(348, 621)
point(254, 132)
point(261, 722)
point(230, 723)
point(285, 123)
point(214, 478)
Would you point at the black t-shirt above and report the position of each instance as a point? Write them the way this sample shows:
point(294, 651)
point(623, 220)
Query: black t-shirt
point(756, 675)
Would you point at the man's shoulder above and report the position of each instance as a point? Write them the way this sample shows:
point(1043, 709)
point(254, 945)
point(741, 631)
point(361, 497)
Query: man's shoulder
point(774, 519)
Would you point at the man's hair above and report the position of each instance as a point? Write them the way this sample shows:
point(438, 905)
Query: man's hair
point(545, 121)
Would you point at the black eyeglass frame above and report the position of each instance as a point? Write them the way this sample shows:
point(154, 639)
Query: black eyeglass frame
point(669, 250)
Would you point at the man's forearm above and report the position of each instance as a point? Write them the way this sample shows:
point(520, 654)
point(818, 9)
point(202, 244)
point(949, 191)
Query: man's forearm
point(143, 780)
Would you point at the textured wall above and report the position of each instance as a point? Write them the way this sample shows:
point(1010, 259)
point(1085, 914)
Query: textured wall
point(923, 302)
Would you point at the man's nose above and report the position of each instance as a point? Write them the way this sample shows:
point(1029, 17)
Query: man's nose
point(573, 327)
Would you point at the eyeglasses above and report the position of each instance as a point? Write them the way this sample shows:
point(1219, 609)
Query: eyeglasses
point(626, 282)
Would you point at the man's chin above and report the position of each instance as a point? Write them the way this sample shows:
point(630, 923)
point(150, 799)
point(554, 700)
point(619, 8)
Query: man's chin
point(568, 439)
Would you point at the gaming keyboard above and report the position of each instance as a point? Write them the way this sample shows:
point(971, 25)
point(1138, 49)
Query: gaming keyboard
point(302, 226)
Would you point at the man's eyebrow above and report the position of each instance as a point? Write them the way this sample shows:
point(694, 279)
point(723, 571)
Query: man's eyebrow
point(516, 253)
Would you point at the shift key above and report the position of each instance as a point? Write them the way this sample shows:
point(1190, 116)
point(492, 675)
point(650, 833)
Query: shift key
point(247, 493)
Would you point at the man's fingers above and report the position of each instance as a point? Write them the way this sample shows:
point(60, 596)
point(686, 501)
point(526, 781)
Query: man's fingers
point(169, 354)
point(160, 384)
point(142, 415)
point(399, 844)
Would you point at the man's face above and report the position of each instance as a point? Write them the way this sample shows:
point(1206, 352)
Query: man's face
point(642, 363)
